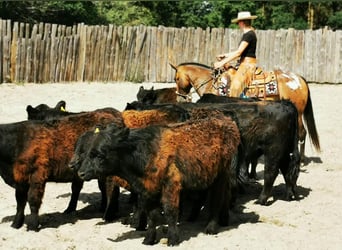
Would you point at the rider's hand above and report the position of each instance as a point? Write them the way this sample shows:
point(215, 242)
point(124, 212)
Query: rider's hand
point(220, 57)
point(218, 65)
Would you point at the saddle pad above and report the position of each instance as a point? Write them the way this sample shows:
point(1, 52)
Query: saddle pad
point(264, 85)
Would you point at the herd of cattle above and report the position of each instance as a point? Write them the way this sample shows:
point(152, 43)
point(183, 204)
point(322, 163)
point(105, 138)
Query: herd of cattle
point(159, 150)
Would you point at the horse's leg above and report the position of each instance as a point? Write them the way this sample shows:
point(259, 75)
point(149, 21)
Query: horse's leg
point(301, 137)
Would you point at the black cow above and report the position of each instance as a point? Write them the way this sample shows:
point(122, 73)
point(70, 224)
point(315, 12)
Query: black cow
point(156, 96)
point(44, 112)
point(109, 187)
point(268, 128)
point(211, 98)
point(35, 152)
point(156, 163)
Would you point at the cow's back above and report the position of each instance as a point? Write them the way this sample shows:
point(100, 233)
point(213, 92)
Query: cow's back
point(49, 146)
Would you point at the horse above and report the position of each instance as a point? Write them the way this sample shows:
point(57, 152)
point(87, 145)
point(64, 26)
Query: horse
point(202, 79)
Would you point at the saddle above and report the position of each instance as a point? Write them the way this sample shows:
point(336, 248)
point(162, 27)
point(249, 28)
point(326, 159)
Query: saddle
point(263, 85)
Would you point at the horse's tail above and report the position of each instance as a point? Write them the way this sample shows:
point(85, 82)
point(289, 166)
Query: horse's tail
point(310, 123)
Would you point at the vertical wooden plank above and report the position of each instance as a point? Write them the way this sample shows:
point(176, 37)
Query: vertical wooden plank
point(197, 36)
point(323, 36)
point(1, 51)
point(152, 55)
point(81, 52)
point(158, 53)
point(97, 43)
point(6, 59)
point(117, 51)
point(289, 44)
point(67, 52)
point(14, 44)
point(107, 52)
point(36, 56)
point(298, 60)
point(28, 73)
point(102, 52)
point(53, 53)
point(309, 41)
point(207, 46)
point(164, 55)
point(47, 55)
point(139, 51)
point(88, 61)
point(338, 64)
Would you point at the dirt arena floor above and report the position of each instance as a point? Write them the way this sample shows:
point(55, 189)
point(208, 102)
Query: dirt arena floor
point(312, 222)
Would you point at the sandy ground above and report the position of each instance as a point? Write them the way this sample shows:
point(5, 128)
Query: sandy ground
point(313, 222)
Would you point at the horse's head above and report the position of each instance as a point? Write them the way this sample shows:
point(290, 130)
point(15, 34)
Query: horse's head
point(183, 84)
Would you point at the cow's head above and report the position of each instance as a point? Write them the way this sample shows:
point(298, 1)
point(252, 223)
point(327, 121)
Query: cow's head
point(98, 154)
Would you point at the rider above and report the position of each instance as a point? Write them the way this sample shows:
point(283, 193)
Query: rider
point(246, 52)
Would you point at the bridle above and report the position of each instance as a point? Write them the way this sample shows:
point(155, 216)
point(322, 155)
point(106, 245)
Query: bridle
point(188, 96)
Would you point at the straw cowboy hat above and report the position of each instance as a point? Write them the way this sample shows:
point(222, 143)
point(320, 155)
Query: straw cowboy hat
point(244, 15)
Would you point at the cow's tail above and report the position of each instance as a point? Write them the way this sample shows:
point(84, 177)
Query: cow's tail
point(310, 123)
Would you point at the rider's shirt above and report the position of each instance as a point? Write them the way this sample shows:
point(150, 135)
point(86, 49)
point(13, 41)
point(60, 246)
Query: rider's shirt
point(251, 39)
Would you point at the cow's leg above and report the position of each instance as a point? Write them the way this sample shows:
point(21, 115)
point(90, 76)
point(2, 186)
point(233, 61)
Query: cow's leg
point(76, 187)
point(197, 205)
point(102, 184)
point(171, 210)
point(35, 196)
point(112, 207)
point(217, 199)
point(270, 174)
point(170, 200)
point(151, 233)
point(290, 173)
point(252, 173)
point(21, 197)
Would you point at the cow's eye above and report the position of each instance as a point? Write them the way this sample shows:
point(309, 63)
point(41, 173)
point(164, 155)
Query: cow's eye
point(93, 154)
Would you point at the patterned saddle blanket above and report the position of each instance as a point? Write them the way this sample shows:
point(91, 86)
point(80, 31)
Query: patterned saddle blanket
point(263, 85)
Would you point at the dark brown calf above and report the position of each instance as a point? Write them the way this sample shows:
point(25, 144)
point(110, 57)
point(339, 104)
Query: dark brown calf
point(36, 152)
point(157, 164)
point(132, 119)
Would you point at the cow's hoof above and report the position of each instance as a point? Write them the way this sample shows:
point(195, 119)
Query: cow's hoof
point(212, 228)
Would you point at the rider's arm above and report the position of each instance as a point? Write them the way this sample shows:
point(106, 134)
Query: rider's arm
point(226, 58)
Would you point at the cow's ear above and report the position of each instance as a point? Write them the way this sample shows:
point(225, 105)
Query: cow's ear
point(141, 88)
point(29, 108)
point(60, 105)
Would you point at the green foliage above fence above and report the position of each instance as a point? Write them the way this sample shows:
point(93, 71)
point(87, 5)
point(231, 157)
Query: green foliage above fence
point(58, 53)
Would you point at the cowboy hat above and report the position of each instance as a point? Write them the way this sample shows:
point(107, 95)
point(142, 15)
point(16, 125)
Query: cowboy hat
point(243, 15)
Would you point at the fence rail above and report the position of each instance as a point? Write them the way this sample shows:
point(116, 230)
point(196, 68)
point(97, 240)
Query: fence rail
point(56, 53)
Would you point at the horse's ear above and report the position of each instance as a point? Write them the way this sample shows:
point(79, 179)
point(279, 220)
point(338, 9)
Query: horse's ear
point(173, 66)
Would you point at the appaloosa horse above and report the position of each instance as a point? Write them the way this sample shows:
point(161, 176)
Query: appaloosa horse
point(289, 86)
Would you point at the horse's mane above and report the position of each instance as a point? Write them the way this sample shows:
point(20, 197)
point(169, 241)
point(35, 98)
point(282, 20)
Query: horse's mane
point(196, 64)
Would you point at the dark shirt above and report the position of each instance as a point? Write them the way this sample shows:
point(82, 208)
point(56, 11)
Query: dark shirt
point(251, 39)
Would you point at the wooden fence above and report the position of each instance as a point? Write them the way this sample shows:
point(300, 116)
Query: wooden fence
point(56, 53)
